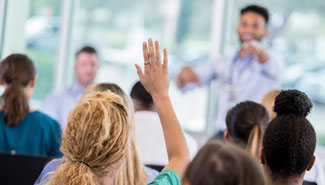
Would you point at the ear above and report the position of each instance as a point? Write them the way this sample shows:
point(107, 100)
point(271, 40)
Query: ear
point(1, 83)
point(262, 157)
point(226, 135)
point(311, 164)
point(33, 82)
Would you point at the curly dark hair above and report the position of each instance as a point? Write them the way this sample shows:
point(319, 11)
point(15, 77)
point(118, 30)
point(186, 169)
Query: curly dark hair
point(292, 102)
point(257, 9)
point(289, 141)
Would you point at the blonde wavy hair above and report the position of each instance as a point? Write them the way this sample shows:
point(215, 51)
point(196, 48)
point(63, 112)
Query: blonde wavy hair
point(97, 143)
point(133, 173)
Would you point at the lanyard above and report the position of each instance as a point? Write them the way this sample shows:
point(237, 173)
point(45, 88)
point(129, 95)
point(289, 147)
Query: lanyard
point(232, 82)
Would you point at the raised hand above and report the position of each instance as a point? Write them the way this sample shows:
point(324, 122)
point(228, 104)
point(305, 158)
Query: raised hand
point(155, 77)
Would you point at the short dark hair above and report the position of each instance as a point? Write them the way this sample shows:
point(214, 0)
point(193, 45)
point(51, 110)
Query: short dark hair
point(138, 92)
point(257, 9)
point(223, 164)
point(245, 121)
point(289, 140)
point(87, 49)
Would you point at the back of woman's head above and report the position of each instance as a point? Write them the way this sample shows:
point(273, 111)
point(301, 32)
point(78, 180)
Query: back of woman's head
point(221, 164)
point(95, 141)
point(245, 123)
point(289, 141)
point(133, 173)
point(268, 102)
point(102, 87)
point(16, 72)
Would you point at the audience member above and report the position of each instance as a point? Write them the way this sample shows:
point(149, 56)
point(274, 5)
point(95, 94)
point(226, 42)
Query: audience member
point(246, 123)
point(148, 131)
point(268, 102)
point(289, 141)
point(316, 174)
point(133, 162)
point(221, 164)
point(23, 129)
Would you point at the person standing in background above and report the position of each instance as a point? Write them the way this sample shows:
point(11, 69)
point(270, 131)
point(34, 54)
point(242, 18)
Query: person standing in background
point(247, 75)
point(59, 105)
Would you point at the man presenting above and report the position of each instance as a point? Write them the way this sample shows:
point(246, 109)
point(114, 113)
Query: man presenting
point(247, 75)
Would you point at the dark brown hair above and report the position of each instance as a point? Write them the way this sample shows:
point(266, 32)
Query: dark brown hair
point(138, 92)
point(217, 163)
point(16, 71)
point(87, 49)
point(246, 123)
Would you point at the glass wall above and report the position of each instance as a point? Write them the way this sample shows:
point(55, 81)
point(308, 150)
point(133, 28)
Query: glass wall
point(41, 33)
point(118, 28)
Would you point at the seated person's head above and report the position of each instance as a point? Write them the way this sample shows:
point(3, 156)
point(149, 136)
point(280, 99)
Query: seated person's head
point(95, 141)
point(245, 125)
point(18, 76)
point(142, 100)
point(133, 162)
point(102, 87)
point(221, 164)
point(268, 103)
point(86, 66)
point(289, 141)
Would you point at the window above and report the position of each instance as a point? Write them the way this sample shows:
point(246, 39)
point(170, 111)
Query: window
point(117, 29)
point(41, 38)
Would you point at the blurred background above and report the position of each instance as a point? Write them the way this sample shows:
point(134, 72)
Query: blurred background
point(51, 31)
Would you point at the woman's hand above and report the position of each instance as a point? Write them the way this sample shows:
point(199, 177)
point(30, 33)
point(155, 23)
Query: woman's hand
point(156, 75)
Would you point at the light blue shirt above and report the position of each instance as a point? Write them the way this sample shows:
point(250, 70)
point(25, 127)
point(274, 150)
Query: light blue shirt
point(59, 105)
point(49, 169)
point(239, 79)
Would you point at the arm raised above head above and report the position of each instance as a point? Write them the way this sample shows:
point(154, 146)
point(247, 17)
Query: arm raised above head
point(155, 78)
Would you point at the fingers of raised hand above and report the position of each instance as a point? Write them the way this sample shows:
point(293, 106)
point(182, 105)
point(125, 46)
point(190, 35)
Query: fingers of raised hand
point(152, 56)
point(145, 52)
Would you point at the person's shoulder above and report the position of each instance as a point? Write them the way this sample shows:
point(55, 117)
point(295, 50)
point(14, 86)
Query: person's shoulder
point(53, 164)
point(49, 167)
point(41, 118)
point(167, 177)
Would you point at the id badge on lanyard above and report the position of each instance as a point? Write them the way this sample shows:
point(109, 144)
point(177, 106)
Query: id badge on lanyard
point(233, 84)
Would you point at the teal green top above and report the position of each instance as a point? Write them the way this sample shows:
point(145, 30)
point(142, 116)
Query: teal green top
point(37, 134)
point(166, 177)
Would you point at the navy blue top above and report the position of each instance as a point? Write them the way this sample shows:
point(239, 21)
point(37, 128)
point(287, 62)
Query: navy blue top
point(37, 134)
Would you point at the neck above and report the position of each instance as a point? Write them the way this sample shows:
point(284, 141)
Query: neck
point(286, 182)
point(138, 106)
point(84, 84)
point(292, 180)
point(107, 180)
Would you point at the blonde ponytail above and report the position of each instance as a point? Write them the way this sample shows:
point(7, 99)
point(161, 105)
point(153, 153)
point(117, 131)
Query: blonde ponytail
point(95, 142)
point(255, 138)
